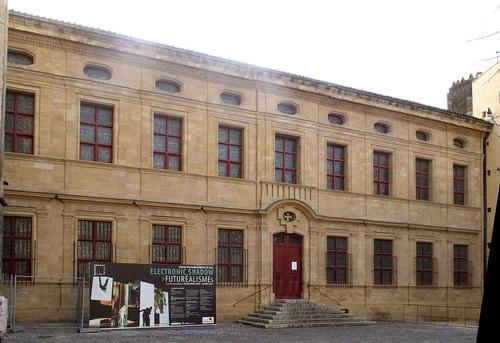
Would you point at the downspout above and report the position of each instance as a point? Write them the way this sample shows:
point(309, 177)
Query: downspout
point(485, 210)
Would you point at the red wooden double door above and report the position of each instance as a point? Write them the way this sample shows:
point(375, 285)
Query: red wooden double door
point(287, 266)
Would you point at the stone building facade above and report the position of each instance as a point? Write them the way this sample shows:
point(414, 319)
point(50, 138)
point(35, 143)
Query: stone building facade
point(138, 152)
point(486, 104)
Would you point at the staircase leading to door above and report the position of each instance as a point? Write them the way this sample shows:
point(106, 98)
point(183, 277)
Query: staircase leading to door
point(300, 313)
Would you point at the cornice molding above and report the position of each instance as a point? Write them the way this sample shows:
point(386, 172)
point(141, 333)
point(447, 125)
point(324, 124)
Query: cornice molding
point(206, 65)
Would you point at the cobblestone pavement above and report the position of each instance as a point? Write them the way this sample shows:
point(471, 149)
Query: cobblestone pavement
point(231, 332)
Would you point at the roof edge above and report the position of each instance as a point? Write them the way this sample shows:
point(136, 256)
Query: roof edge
point(293, 78)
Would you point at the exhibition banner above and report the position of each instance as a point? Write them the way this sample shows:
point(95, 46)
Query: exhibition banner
point(151, 295)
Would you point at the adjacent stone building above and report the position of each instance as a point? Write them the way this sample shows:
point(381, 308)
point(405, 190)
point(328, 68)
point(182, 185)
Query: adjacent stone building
point(124, 150)
point(486, 104)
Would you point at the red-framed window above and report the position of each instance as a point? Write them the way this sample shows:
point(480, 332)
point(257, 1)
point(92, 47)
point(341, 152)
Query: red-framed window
point(422, 178)
point(460, 265)
point(458, 184)
point(285, 159)
point(230, 151)
point(167, 142)
point(335, 167)
point(94, 244)
point(425, 258)
point(383, 262)
point(96, 133)
point(166, 244)
point(17, 245)
point(19, 122)
point(337, 262)
point(230, 256)
point(381, 172)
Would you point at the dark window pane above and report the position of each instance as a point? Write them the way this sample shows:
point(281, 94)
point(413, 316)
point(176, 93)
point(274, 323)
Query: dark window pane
point(159, 161)
point(236, 274)
point(105, 135)
point(87, 113)
point(174, 145)
point(174, 163)
point(87, 133)
point(278, 176)
point(236, 256)
point(222, 273)
point(236, 237)
point(329, 182)
point(223, 152)
point(174, 127)
point(223, 236)
point(104, 154)
point(329, 151)
point(24, 145)
point(25, 103)
point(160, 124)
point(383, 189)
point(223, 169)
point(235, 170)
point(10, 100)
point(289, 176)
point(24, 124)
point(9, 143)
point(339, 183)
point(290, 145)
point(9, 122)
point(235, 137)
point(329, 167)
point(223, 255)
point(223, 135)
point(159, 143)
point(235, 153)
point(105, 116)
point(290, 161)
point(339, 168)
point(278, 160)
point(279, 143)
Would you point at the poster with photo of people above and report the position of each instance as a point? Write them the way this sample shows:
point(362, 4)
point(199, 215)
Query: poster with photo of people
point(151, 295)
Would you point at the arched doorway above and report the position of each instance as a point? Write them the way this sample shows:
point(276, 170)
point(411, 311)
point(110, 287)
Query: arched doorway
point(287, 266)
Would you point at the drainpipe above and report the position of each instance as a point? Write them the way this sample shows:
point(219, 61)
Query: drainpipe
point(485, 210)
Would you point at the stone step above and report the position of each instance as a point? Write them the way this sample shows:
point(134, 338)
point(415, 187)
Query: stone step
point(305, 325)
point(299, 321)
point(301, 316)
point(299, 312)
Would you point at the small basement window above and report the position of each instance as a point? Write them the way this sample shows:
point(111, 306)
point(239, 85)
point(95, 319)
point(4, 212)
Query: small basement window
point(459, 143)
point(97, 72)
point(422, 136)
point(381, 128)
point(287, 108)
point(17, 57)
point(170, 86)
point(230, 98)
point(336, 119)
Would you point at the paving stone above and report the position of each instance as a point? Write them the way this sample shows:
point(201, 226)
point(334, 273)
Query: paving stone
point(233, 332)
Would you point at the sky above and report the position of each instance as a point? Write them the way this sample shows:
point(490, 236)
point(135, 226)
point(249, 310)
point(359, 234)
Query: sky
point(412, 50)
